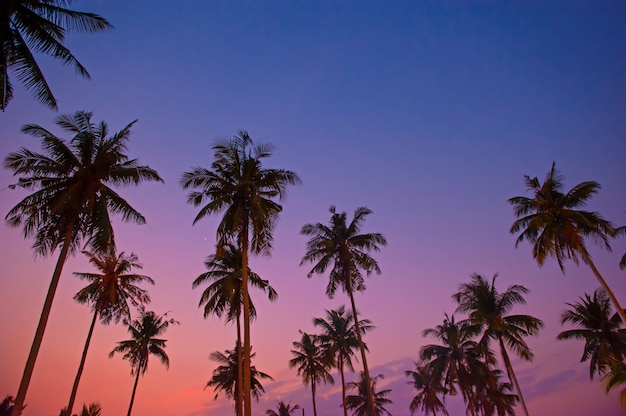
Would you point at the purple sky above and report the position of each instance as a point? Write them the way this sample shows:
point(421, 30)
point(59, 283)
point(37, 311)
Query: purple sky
point(429, 113)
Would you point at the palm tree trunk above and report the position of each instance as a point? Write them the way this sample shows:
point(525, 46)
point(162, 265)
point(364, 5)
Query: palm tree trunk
point(366, 371)
point(239, 399)
point(606, 287)
point(247, 399)
point(313, 394)
point(132, 396)
point(70, 405)
point(41, 327)
point(343, 386)
point(512, 376)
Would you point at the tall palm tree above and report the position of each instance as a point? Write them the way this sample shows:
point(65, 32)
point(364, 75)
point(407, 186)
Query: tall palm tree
point(488, 308)
point(311, 362)
point(39, 26)
point(359, 402)
point(339, 337)
point(551, 221)
point(225, 377)
point(144, 331)
point(109, 293)
point(284, 409)
point(340, 245)
point(238, 184)
point(428, 387)
point(72, 200)
point(225, 294)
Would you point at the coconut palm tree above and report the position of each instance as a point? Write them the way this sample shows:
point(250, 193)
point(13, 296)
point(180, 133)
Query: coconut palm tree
point(72, 199)
point(620, 231)
point(359, 403)
point(312, 363)
point(495, 397)
point(339, 337)
point(429, 388)
point(109, 293)
point(283, 409)
point(28, 26)
point(488, 308)
point(341, 247)
point(144, 331)
point(225, 295)
point(238, 184)
point(94, 409)
point(551, 221)
point(226, 377)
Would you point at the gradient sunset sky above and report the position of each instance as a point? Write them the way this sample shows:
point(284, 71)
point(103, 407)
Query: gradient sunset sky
point(427, 112)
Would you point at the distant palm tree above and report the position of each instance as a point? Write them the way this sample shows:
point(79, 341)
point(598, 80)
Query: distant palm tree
point(359, 403)
point(283, 409)
point(341, 247)
point(489, 308)
point(94, 409)
point(225, 294)
point(238, 184)
point(39, 26)
point(605, 340)
point(109, 293)
point(225, 377)
point(340, 339)
point(428, 387)
point(144, 343)
point(311, 362)
point(550, 221)
point(6, 406)
point(619, 231)
point(72, 200)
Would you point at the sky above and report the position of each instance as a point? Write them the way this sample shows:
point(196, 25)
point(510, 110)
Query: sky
point(428, 113)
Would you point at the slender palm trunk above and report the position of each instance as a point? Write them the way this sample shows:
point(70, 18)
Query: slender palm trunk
point(246, 323)
point(512, 376)
point(132, 396)
point(41, 327)
point(239, 399)
point(343, 386)
point(70, 405)
point(605, 285)
point(313, 394)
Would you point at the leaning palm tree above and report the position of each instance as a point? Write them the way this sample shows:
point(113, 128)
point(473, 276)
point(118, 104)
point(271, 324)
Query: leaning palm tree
point(28, 26)
point(238, 184)
point(284, 409)
point(429, 388)
point(312, 363)
point(226, 378)
point(339, 337)
point(359, 403)
point(551, 221)
point(488, 308)
point(109, 293)
point(341, 247)
point(144, 331)
point(225, 295)
point(73, 199)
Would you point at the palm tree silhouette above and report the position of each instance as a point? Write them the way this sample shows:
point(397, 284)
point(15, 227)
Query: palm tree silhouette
point(359, 403)
point(428, 387)
point(488, 308)
point(238, 184)
point(284, 409)
point(144, 343)
point(341, 246)
point(550, 221)
point(72, 200)
point(109, 293)
point(340, 340)
point(312, 363)
point(225, 295)
point(39, 25)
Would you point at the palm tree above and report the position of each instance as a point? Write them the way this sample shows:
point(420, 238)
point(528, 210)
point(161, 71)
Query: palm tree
point(40, 26)
point(619, 231)
point(238, 184)
point(144, 331)
point(283, 409)
point(488, 308)
point(605, 340)
point(226, 377)
point(72, 199)
point(495, 398)
point(550, 221)
point(360, 402)
point(94, 409)
point(339, 337)
point(341, 246)
point(225, 294)
point(6, 406)
point(312, 363)
point(428, 387)
point(109, 293)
